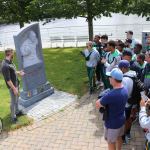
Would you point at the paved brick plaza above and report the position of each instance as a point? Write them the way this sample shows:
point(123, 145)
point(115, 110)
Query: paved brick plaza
point(77, 127)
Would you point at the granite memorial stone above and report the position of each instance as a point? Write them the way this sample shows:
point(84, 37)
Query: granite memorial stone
point(30, 59)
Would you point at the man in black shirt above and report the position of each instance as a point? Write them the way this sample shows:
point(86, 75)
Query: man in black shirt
point(98, 67)
point(10, 75)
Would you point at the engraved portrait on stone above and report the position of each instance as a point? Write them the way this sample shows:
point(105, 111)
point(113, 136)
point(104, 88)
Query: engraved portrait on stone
point(29, 50)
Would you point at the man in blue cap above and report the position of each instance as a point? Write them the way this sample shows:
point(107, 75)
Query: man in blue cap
point(114, 101)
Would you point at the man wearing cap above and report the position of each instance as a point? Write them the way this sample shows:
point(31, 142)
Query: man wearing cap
point(10, 75)
point(127, 81)
point(127, 55)
point(130, 36)
point(115, 101)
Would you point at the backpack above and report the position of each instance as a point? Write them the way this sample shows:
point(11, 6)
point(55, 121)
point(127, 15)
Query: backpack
point(138, 86)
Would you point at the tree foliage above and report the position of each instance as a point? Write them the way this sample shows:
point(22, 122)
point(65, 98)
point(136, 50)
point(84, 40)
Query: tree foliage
point(13, 11)
point(138, 7)
point(89, 9)
point(22, 11)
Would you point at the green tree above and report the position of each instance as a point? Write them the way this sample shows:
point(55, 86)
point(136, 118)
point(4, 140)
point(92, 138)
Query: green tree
point(138, 7)
point(89, 9)
point(14, 11)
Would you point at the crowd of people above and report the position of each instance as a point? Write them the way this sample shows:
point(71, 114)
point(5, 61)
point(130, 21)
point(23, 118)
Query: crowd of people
point(123, 67)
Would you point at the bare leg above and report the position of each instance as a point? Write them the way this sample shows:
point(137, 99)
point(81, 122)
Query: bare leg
point(119, 143)
point(111, 146)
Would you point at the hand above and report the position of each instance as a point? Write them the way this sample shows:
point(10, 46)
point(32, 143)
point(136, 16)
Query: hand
point(16, 92)
point(103, 61)
point(97, 104)
point(142, 103)
point(21, 73)
point(148, 102)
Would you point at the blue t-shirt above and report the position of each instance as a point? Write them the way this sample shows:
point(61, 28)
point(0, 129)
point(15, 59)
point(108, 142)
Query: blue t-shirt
point(115, 100)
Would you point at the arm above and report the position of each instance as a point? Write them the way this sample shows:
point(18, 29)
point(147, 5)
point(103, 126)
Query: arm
point(15, 90)
point(144, 120)
point(98, 104)
point(103, 101)
point(109, 67)
point(20, 73)
point(6, 74)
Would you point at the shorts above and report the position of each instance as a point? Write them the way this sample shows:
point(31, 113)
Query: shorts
point(111, 135)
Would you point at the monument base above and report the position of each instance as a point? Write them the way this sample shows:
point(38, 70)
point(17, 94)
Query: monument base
point(30, 97)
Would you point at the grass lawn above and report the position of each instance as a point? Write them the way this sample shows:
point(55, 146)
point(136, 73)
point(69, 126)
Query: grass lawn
point(65, 69)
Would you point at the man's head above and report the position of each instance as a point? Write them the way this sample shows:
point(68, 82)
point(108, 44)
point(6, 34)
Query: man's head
point(147, 56)
point(111, 45)
point(120, 46)
point(127, 55)
point(9, 53)
point(115, 77)
point(124, 66)
point(89, 45)
point(138, 48)
point(104, 39)
point(140, 58)
point(129, 34)
point(97, 39)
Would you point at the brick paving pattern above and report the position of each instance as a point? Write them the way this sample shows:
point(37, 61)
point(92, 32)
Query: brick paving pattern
point(77, 127)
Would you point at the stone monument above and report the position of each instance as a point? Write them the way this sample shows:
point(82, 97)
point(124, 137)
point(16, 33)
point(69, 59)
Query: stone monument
point(30, 59)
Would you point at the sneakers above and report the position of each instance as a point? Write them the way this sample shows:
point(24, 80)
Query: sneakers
point(20, 113)
point(125, 141)
point(128, 136)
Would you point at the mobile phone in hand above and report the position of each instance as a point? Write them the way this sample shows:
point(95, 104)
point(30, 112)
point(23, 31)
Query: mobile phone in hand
point(144, 97)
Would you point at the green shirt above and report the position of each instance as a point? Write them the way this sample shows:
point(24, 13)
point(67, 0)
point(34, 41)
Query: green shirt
point(113, 55)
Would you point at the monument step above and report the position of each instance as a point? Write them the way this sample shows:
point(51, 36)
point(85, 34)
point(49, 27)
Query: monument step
point(49, 105)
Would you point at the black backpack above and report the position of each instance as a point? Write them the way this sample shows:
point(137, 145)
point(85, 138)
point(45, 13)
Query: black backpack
point(138, 86)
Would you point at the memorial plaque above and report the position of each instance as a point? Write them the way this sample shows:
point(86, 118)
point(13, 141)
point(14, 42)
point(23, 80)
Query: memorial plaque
point(30, 59)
